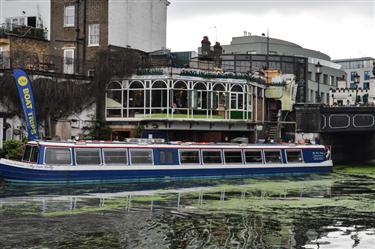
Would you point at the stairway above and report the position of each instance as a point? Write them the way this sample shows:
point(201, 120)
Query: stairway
point(273, 132)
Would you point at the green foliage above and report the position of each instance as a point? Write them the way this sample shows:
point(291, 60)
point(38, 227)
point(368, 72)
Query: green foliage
point(12, 149)
point(52, 100)
point(209, 75)
point(150, 72)
point(23, 31)
point(140, 130)
point(98, 130)
point(112, 63)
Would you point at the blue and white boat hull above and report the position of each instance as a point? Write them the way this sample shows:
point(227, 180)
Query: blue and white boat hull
point(14, 170)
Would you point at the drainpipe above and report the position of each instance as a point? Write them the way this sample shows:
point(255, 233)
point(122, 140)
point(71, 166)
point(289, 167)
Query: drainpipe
point(77, 37)
point(84, 40)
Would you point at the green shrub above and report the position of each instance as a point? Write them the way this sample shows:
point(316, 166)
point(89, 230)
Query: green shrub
point(12, 149)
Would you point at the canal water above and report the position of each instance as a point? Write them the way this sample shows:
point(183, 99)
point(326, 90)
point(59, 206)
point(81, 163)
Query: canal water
point(312, 211)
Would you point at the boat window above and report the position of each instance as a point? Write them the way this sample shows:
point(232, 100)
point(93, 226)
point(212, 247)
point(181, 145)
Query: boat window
point(272, 156)
point(212, 156)
point(294, 156)
point(27, 153)
point(166, 157)
point(143, 156)
point(253, 156)
point(60, 156)
point(86, 156)
point(115, 156)
point(189, 156)
point(233, 156)
point(34, 154)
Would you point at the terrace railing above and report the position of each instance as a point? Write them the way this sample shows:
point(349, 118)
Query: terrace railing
point(23, 31)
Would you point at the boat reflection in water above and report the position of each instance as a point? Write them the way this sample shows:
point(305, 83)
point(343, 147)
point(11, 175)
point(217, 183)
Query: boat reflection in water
point(297, 212)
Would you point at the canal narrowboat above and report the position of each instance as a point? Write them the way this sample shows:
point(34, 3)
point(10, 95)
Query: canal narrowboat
point(100, 161)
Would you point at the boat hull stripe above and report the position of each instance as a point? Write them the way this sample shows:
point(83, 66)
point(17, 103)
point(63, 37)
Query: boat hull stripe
point(16, 173)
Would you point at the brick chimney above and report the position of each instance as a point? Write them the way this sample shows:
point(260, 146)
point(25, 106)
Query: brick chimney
point(218, 51)
point(206, 46)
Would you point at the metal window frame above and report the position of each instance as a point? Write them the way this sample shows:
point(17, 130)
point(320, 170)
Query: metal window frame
point(75, 156)
point(135, 149)
point(45, 153)
point(123, 149)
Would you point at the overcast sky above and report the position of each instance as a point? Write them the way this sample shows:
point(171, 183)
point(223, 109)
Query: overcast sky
point(341, 29)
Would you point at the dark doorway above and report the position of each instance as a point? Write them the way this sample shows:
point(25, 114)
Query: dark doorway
point(31, 21)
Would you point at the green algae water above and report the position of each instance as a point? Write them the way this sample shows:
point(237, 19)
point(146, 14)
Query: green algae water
point(311, 211)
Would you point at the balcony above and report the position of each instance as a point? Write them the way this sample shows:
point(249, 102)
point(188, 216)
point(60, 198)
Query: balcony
point(23, 31)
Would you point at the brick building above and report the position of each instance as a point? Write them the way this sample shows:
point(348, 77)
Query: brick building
point(27, 52)
point(79, 29)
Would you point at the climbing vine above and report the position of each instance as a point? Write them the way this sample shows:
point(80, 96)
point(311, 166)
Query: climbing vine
point(53, 100)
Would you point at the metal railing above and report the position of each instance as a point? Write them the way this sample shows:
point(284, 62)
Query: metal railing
point(23, 31)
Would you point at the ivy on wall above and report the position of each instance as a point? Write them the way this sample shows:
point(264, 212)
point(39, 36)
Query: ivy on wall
point(53, 100)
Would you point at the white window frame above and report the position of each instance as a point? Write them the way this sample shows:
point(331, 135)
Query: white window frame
point(45, 153)
point(11, 22)
point(294, 150)
point(66, 70)
point(135, 149)
point(91, 72)
point(253, 150)
point(94, 148)
point(233, 150)
point(186, 150)
point(66, 8)
point(94, 26)
point(119, 149)
point(273, 150)
point(212, 150)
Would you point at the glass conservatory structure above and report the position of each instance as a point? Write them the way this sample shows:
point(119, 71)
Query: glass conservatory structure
point(179, 98)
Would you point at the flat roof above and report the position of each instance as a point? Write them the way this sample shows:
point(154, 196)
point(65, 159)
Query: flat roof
point(354, 59)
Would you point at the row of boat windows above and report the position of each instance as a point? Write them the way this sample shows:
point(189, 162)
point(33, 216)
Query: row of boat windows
point(120, 156)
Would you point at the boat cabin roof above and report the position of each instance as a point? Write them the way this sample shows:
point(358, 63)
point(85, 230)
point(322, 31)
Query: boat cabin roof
point(177, 145)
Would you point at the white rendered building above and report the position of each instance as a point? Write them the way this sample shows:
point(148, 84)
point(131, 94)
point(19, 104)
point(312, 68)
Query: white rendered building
point(34, 13)
point(138, 24)
point(361, 66)
point(344, 96)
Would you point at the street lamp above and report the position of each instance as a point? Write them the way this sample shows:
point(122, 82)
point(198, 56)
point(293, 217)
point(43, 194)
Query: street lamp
point(318, 73)
point(268, 48)
point(356, 82)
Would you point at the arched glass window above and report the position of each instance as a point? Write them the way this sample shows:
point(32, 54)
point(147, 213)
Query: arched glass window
point(237, 98)
point(114, 85)
point(198, 96)
point(114, 100)
point(218, 97)
point(159, 97)
point(136, 94)
point(136, 99)
point(180, 95)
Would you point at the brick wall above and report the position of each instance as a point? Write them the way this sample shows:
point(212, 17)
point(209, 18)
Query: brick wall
point(89, 12)
point(39, 47)
point(27, 53)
